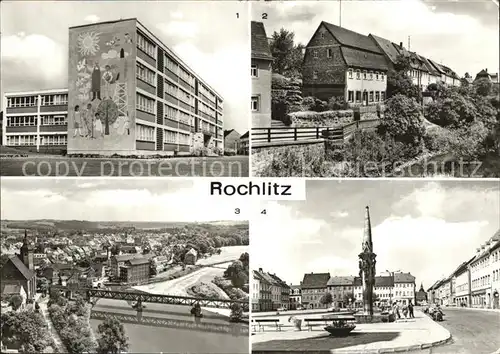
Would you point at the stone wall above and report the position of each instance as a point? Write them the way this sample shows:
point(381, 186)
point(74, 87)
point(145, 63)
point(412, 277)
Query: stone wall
point(321, 119)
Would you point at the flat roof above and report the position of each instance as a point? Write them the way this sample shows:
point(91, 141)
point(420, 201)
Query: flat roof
point(26, 93)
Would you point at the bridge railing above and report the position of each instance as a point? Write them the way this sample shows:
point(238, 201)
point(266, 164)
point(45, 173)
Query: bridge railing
point(155, 298)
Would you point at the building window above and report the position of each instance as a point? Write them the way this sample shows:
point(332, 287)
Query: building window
point(349, 73)
point(358, 75)
point(254, 71)
point(52, 100)
point(322, 35)
point(376, 75)
point(255, 103)
point(145, 133)
point(381, 77)
point(54, 120)
point(29, 101)
point(329, 53)
point(382, 96)
point(315, 75)
point(171, 65)
point(146, 74)
point(315, 54)
point(184, 75)
point(146, 45)
point(58, 139)
point(364, 75)
point(22, 121)
point(350, 96)
point(371, 76)
point(377, 96)
point(358, 96)
point(145, 104)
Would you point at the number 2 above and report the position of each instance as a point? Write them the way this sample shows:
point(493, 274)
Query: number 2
point(264, 16)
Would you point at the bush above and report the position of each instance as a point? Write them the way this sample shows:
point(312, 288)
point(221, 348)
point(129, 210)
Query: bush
point(403, 120)
point(452, 110)
point(438, 140)
point(336, 103)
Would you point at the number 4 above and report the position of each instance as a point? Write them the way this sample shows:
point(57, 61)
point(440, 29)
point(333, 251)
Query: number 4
point(263, 211)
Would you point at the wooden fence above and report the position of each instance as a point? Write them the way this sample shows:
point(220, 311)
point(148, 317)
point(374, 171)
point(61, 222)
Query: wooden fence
point(276, 136)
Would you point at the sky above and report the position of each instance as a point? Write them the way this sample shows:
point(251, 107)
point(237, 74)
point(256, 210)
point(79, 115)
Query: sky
point(461, 34)
point(212, 40)
point(115, 199)
point(425, 228)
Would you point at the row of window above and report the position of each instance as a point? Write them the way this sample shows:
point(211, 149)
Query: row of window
point(145, 133)
point(31, 101)
point(171, 65)
point(28, 121)
point(171, 137)
point(21, 140)
point(145, 104)
point(177, 92)
point(484, 280)
point(207, 93)
point(206, 109)
point(177, 115)
point(146, 45)
point(372, 96)
point(254, 71)
point(207, 127)
point(366, 75)
point(146, 74)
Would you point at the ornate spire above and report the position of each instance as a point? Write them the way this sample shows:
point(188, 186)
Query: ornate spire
point(367, 236)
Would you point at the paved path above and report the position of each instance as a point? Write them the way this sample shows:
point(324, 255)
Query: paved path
point(366, 338)
point(61, 166)
point(473, 331)
point(53, 333)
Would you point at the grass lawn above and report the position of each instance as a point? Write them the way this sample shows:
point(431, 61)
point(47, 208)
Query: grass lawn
point(62, 166)
point(322, 344)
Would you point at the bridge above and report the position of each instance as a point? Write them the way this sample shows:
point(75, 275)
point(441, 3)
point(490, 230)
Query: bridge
point(140, 297)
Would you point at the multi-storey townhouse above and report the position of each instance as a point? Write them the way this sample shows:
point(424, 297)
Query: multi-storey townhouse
point(461, 285)
point(342, 290)
point(244, 144)
point(36, 120)
point(128, 94)
point(383, 289)
point(231, 140)
point(342, 63)
point(256, 287)
point(261, 74)
point(295, 297)
point(484, 269)
point(313, 287)
point(404, 287)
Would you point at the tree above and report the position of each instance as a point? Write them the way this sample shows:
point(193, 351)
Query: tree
point(452, 110)
point(287, 56)
point(326, 299)
point(403, 120)
point(15, 301)
point(483, 86)
point(236, 312)
point(113, 339)
point(108, 111)
point(57, 298)
point(27, 328)
point(399, 82)
point(42, 284)
point(245, 260)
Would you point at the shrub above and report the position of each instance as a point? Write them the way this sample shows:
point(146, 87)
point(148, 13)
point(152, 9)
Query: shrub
point(452, 110)
point(403, 120)
point(336, 103)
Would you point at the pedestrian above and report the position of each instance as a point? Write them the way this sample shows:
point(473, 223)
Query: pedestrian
point(410, 309)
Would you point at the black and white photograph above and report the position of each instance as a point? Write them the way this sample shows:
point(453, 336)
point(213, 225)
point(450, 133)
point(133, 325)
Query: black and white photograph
point(122, 266)
point(405, 88)
point(129, 88)
point(378, 267)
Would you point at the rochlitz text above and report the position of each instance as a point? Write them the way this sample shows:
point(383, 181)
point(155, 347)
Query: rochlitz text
point(251, 188)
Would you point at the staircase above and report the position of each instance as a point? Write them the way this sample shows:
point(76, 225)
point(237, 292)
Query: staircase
point(277, 124)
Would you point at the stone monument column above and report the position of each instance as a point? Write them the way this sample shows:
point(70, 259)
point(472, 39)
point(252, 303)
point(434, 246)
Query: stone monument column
point(367, 266)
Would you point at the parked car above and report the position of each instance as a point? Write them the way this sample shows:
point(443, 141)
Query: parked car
point(300, 308)
point(282, 308)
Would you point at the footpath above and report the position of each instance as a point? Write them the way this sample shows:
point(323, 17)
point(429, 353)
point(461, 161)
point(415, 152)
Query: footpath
point(53, 332)
point(403, 335)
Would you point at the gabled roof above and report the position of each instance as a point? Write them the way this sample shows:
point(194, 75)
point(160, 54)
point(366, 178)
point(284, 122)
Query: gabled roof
point(227, 132)
point(9, 289)
point(341, 281)
point(138, 261)
point(21, 267)
point(260, 276)
point(362, 59)
point(260, 44)
point(385, 280)
point(350, 38)
point(244, 135)
point(315, 280)
point(389, 48)
point(403, 278)
point(432, 70)
point(437, 66)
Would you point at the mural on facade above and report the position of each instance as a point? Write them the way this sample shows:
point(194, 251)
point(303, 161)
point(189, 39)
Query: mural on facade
point(102, 67)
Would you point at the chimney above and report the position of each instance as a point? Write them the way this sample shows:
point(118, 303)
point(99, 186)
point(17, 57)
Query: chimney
point(486, 70)
point(401, 45)
point(260, 270)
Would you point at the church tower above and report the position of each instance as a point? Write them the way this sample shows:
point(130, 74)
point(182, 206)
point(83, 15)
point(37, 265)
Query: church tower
point(27, 250)
point(367, 266)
